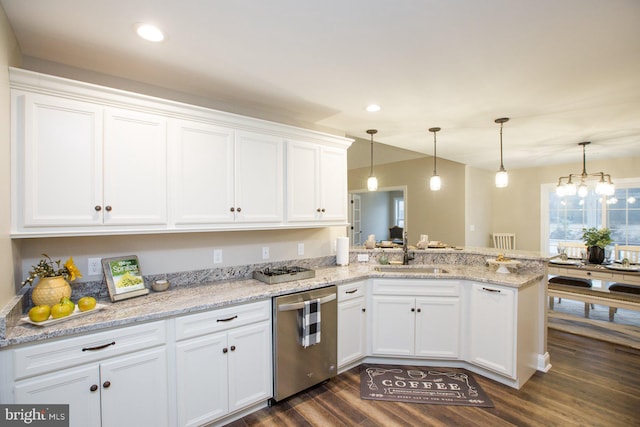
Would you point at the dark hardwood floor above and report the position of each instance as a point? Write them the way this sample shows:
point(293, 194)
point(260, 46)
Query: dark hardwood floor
point(591, 383)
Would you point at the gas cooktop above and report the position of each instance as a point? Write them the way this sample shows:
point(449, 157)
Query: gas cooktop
point(273, 275)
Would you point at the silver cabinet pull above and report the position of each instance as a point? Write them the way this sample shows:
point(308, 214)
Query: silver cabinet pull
point(300, 305)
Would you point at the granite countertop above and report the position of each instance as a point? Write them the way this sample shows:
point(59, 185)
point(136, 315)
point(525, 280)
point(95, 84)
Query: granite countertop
point(183, 300)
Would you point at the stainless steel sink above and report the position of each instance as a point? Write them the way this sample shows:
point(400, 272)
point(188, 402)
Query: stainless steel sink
point(410, 269)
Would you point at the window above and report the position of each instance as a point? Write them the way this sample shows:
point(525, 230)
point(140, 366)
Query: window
point(398, 204)
point(565, 217)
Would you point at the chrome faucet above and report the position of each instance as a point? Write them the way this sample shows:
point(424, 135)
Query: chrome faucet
point(405, 250)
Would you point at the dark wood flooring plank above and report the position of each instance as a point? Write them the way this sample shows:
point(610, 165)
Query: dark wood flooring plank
point(591, 383)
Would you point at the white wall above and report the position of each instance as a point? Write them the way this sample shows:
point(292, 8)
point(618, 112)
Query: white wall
point(9, 56)
point(171, 253)
point(478, 207)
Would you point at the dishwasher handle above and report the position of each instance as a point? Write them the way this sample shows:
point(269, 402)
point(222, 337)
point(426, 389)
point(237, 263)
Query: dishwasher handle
point(300, 305)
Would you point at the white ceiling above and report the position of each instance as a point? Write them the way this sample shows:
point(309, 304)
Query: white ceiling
point(563, 71)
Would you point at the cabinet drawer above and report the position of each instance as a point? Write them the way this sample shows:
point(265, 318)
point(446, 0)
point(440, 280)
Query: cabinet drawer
point(64, 353)
point(597, 275)
point(219, 320)
point(353, 290)
point(416, 287)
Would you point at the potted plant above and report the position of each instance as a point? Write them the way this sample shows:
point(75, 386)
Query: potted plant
point(596, 241)
point(52, 284)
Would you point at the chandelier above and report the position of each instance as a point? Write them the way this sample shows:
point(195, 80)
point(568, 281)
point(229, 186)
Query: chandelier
point(604, 186)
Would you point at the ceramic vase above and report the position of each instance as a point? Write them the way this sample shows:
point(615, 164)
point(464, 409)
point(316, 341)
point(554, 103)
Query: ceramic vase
point(49, 290)
point(596, 255)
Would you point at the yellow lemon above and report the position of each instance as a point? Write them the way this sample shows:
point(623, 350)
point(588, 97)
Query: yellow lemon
point(61, 310)
point(86, 303)
point(39, 313)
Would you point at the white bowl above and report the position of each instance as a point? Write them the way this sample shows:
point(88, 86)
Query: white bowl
point(160, 285)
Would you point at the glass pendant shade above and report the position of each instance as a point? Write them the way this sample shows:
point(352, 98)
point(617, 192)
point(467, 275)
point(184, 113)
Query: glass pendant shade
point(372, 183)
point(583, 190)
point(502, 179)
point(435, 183)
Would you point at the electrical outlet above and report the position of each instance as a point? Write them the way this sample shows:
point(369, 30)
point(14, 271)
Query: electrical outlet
point(94, 267)
point(363, 257)
point(217, 256)
point(300, 248)
point(265, 252)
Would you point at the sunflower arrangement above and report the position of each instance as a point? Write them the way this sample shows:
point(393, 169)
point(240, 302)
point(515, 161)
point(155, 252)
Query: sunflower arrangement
point(49, 268)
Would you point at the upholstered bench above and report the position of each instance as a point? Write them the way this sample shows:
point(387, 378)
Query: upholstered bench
point(571, 281)
point(625, 289)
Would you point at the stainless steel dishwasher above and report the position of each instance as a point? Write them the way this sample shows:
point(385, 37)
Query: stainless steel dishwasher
point(297, 368)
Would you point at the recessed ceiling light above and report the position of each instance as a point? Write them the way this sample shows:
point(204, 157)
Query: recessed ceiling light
point(372, 108)
point(149, 32)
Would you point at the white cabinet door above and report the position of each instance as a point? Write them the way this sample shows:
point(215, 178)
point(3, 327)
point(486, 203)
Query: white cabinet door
point(491, 333)
point(202, 380)
point(134, 389)
point(78, 387)
point(438, 327)
point(250, 367)
point(393, 326)
point(259, 178)
point(333, 184)
point(352, 321)
point(135, 168)
point(316, 182)
point(303, 170)
point(202, 187)
point(59, 153)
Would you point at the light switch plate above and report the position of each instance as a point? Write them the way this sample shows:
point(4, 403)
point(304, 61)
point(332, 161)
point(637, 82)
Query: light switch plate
point(217, 256)
point(300, 248)
point(265, 252)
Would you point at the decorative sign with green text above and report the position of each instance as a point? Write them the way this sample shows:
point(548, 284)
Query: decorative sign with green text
point(124, 278)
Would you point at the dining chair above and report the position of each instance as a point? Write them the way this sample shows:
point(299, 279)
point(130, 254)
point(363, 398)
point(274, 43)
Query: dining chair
point(504, 241)
point(572, 249)
point(632, 253)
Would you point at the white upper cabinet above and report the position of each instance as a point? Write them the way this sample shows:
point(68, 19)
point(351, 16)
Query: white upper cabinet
point(90, 160)
point(202, 189)
point(135, 168)
point(316, 183)
point(57, 161)
point(221, 176)
point(259, 178)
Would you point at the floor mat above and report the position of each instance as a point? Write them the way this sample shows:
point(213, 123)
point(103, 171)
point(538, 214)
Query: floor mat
point(422, 384)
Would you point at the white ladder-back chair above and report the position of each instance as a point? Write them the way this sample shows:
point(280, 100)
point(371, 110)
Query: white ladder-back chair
point(572, 249)
point(504, 241)
point(632, 253)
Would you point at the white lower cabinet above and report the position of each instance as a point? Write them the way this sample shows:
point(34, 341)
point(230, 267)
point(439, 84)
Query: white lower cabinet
point(492, 327)
point(416, 318)
point(129, 389)
point(352, 322)
point(223, 362)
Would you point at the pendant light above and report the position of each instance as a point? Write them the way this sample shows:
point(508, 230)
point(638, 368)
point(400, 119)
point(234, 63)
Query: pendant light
point(604, 187)
point(372, 182)
point(502, 177)
point(435, 182)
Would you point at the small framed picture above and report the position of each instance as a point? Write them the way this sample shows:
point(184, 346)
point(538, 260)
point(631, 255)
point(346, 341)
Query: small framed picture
point(124, 277)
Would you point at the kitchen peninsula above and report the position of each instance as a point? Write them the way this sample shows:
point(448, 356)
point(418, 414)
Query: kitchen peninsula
point(495, 324)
